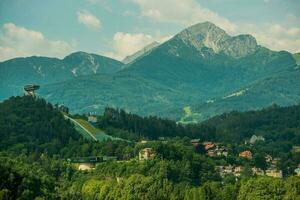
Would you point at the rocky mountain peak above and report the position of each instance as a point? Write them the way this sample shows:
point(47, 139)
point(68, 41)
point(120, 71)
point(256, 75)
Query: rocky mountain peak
point(208, 35)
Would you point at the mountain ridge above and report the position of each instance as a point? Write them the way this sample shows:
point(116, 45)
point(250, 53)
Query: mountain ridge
point(15, 73)
point(145, 50)
point(198, 64)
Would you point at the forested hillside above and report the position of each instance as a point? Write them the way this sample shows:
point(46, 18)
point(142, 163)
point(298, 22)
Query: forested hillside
point(31, 126)
point(275, 123)
point(38, 145)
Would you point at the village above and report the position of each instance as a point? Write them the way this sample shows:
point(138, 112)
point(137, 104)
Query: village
point(212, 149)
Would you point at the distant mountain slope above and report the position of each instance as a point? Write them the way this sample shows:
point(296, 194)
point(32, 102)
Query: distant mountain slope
point(15, 73)
point(147, 49)
point(94, 93)
point(81, 63)
point(282, 89)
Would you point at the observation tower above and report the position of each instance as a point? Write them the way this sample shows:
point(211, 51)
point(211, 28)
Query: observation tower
point(29, 89)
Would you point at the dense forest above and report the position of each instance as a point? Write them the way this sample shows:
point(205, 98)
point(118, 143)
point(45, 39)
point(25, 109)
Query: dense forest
point(274, 123)
point(37, 143)
point(136, 127)
point(32, 126)
point(278, 124)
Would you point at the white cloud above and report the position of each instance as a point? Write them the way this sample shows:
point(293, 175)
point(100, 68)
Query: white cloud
point(126, 43)
point(17, 41)
point(275, 36)
point(185, 12)
point(89, 20)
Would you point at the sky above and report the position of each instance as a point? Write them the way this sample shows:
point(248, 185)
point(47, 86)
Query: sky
point(117, 28)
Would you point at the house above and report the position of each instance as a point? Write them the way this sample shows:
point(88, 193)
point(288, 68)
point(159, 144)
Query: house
point(146, 154)
point(211, 153)
point(221, 152)
point(195, 142)
point(258, 171)
point(274, 173)
point(92, 119)
point(215, 149)
point(209, 145)
point(297, 171)
point(272, 161)
point(268, 158)
point(228, 169)
point(246, 154)
point(238, 170)
point(217, 152)
point(255, 139)
point(275, 161)
point(224, 170)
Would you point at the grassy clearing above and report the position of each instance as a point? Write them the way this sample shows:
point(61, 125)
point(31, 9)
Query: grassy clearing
point(97, 133)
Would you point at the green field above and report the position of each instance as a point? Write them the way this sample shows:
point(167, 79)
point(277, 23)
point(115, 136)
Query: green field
point(189, 116)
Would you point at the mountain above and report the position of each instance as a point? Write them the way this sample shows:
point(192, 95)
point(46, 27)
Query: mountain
point(282, 89)
point(205, 59)
point(147, 49)
point(135, 94)
point(82, 63)
point(16, 73)
point(207, 35)
point(198, 65)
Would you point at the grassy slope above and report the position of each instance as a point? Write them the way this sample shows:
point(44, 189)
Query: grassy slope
point(99, 134)
point(88, 131)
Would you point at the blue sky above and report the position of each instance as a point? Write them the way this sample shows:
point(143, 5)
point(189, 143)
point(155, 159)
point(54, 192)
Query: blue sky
point(118, 28)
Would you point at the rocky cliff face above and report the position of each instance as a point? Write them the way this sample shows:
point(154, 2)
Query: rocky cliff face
point(208, 35)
